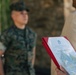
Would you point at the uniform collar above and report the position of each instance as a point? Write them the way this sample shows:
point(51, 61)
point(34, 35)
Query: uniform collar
point(15, 27)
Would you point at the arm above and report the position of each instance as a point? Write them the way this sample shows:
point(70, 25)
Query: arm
point(61, 72)
point(33, 60)
point(34, 49)
point(1, 64)
point(4, 41)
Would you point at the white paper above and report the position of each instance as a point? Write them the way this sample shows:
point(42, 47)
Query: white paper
point(64, 53)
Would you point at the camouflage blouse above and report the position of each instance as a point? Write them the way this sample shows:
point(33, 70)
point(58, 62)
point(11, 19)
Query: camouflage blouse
point(18, 45)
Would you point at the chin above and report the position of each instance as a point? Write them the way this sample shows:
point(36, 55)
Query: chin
point(24, 23)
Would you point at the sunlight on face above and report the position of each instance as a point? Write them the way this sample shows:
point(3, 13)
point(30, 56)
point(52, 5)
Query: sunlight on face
point(20, 17)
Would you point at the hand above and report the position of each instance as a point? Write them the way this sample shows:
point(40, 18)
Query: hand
point(61, 72)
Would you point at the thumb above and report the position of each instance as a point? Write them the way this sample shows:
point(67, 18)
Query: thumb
point(63, 70)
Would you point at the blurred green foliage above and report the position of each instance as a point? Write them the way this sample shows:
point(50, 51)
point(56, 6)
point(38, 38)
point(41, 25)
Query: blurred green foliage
point(5, 19)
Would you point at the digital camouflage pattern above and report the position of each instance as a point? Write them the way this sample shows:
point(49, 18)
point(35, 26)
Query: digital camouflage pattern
point(19, 46)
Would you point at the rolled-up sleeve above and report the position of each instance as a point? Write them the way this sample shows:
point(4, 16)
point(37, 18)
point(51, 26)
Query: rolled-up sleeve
point(2, 47)
point(4, 40)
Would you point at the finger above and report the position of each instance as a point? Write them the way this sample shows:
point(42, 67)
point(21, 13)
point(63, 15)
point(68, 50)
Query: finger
point(57, 70)
point(62, 69)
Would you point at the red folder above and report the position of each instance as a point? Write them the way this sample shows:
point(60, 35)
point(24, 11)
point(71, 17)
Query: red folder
point(63, 44)
point(44, 42)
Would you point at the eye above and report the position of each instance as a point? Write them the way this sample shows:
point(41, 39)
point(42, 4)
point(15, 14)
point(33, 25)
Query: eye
point(21, 13)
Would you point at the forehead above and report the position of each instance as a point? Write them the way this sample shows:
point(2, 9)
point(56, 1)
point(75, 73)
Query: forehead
point(17, 12)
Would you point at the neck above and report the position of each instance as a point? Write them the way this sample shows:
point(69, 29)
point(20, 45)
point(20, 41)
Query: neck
point(20, 26)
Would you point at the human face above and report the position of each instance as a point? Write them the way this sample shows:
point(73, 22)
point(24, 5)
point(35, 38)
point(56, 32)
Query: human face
point(74, 3)
point(20, 17)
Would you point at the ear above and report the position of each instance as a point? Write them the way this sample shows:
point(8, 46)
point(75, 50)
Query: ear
point(13, 15)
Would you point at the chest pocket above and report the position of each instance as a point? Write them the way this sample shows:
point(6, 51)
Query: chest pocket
point(30, 44)
point(17, 43)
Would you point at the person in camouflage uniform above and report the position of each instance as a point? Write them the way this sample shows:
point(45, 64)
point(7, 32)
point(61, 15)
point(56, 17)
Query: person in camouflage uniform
point(17, 43)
